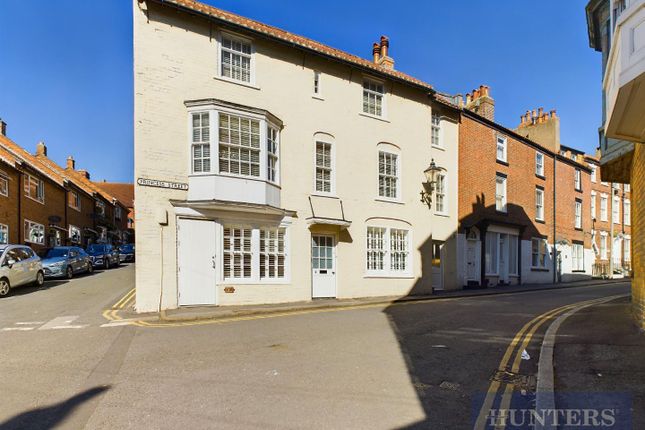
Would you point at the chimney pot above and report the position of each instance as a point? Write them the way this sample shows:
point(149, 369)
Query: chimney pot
point(376, 51)
point(540, 112)
point(3, 128)
point(475, 94)
point(385, 44)
point(41, 149)
point(552, 113)
point(71, 164)
point(468, 98)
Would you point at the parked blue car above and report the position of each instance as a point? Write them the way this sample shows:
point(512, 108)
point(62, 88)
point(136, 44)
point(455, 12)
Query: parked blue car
point(65, 261)
point(103, 255)
point(126, 252)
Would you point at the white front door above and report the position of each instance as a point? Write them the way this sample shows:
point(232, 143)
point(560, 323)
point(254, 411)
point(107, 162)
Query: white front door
point(323, 266)
point(473, 271)
point(196, 246)
point(437, 267)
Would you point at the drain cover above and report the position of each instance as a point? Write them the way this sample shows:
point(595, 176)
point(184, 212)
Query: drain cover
point(523, 382)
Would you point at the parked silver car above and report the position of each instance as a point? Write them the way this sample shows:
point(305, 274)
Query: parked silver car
point(19, 265)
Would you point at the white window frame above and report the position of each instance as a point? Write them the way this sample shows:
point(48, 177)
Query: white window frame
point(265, 123)
point(594, 173)
point(220, 63)
point(593, 205)
point(578, 214)
point(387, 252)
point(28, 224)
point(627, 188)
point(435, 131)
point(273, 154)
point(615, 210)
point(276, 254)
point(577, 257)
point(370, 92)
point(539, 163)
point(4, 184)
point(4, 234)
point(502, 142)
point(332, 167)
point(542, 245)
point(441, 194)
point(577, 179)
point(40, 188)
point(397, 177)
point(201, 143)
point(604, 208)
point(255, 254)
point(100, 206)
point(72, 229)
point(504, 195)
point(492, 244)
point(627, 250)
point(539, 204)
point(627, 212)
point(317, 85)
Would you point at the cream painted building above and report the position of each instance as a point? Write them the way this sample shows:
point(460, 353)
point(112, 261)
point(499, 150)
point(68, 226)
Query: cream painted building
point(271, 168)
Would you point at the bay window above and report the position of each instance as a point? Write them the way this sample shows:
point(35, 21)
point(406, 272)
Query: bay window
point(239, 145)
point(201, 148)
point(272, 155)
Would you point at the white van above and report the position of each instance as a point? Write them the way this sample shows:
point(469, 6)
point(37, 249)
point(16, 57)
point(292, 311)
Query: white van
point(19, 265)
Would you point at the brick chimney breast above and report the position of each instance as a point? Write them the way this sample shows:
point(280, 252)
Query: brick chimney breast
point(481, 102)
point(41, 149)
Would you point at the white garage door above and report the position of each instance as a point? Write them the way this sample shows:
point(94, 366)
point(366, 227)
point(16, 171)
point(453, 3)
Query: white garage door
point(196, 248)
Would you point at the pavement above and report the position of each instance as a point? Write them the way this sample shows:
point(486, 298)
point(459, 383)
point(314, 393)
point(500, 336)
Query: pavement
point(197, 313)
point(600, 355)
point(409, 364)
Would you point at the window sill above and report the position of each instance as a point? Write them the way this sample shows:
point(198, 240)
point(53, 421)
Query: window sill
point(253, 282)
point(240, 83)
point(386, 200)
point(497, 211)
point(578, 271)
point(442, 214)
point(325, 195)
point(578, 228)
point(541, 221)
point(539, 269)
point(76, 209)
point(540, 176)
point(387, 276)
point(502, 162)
point(317, 97)
point(440, 148)
point(578, 190)
point(368, 115)
point(36, 200)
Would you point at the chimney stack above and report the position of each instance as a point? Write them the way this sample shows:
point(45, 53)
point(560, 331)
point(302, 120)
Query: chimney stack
point(541, 127)
point(41, 149)
point(3, 128)
point(71, 164)
point(376, 52)
point(384, 60)
point(84, 173)
point(481, 102)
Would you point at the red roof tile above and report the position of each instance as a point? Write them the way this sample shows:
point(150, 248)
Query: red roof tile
point(293, 39)
point(122, 191)
point(30, 159)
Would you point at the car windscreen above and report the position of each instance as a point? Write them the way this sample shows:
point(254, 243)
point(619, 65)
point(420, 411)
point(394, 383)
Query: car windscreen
point(56, 252)
point(96, 248)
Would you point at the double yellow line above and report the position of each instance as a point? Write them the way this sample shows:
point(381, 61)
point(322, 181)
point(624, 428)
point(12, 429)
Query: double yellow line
point(523, 339)
point(112, 314)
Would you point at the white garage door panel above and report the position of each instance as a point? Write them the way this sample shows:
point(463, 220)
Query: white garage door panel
point(196, 261)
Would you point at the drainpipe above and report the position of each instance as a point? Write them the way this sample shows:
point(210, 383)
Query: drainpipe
point(555, 250)
point(611, 231)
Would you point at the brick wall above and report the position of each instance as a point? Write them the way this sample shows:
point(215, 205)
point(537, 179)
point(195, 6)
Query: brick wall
point(8, 204)
point(638, 234)
point(53, 206)
point(83, 218)
point(567, 194)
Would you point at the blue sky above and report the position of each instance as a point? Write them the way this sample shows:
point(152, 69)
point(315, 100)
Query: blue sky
point(66, 67)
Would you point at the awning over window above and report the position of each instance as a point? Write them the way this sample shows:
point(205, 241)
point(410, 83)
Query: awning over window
point(327, 211)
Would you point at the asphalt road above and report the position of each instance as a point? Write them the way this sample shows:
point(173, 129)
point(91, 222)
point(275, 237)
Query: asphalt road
point(417, 365)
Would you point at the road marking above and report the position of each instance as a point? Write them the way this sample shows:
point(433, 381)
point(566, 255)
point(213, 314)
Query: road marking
point(526, 333)
point(116, 323)
point(62, 323)
point(18, 328)
point(30, 323)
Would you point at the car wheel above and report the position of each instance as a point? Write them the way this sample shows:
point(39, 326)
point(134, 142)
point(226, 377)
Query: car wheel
point(70, 272)
point(40, 279)
point(106, 264)
point(4, 287)
point(90, 267)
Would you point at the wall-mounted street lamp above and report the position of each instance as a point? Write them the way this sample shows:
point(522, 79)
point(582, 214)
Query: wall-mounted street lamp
point(431, 181)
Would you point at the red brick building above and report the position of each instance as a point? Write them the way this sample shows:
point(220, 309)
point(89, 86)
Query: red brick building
point(124, 193)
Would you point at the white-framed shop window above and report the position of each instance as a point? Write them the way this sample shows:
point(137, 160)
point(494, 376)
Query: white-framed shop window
point(500, 193)
point(435, 132)
point(373, 98)
point(388, 252)
point(539, 163)
point(539, 204)
point(4, 234)
point(34, 232)
point(324, 166)
point(201, 146)
point(388, 175)
point(237, 61)
point(539, 250)
point(578, 257)
point(441, 204)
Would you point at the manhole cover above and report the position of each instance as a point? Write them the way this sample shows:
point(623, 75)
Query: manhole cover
point(522, 382)
point(449, 385)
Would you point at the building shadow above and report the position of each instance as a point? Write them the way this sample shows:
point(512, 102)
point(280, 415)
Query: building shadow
point(51, 416)
point(438, 371)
